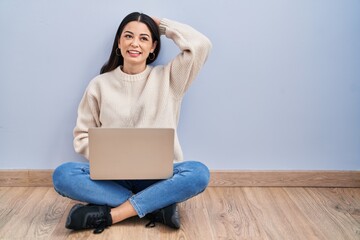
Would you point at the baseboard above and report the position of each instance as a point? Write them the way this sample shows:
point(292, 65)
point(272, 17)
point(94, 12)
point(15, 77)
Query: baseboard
point(286, 178)
point(26, 178)
point(42, 178)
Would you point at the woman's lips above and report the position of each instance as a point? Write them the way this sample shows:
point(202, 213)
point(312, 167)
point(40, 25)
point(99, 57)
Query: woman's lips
point(133, 53)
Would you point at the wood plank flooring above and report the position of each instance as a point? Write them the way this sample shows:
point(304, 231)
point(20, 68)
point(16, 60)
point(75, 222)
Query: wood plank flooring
point(217, 213)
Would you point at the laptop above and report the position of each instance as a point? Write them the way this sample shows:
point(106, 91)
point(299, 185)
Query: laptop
point(131, 153)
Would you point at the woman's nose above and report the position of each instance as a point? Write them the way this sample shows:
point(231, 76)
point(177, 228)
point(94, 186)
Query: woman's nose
point(135, 42)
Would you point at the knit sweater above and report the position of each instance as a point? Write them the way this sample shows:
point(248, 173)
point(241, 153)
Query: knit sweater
point(150, 99)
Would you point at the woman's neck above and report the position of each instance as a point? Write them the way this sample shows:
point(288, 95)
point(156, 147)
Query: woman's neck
point(133, 69)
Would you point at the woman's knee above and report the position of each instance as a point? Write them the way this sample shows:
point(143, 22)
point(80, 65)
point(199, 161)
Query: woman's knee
point(199, 173)
point(204, 174)
point(59, 174)
point(63, 175)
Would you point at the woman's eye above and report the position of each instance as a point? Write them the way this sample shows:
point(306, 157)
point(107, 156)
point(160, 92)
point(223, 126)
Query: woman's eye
point(128, 36)
point(144, 39)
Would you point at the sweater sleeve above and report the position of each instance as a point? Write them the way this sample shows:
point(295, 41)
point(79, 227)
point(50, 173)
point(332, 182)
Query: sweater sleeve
point(88, 116)
point(195, 48)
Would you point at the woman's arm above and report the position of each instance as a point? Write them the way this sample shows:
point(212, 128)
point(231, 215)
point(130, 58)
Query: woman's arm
point(88, 116)
point(195, 48)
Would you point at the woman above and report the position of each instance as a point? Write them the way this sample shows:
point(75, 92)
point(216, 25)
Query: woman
point(131, 93)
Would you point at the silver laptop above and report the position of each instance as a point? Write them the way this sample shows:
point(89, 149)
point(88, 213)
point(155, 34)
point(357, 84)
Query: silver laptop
point(131, 153)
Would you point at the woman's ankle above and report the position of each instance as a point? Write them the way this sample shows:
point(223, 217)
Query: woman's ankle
point(122, 212)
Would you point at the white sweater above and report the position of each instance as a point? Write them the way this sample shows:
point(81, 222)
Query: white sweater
point(150, 99)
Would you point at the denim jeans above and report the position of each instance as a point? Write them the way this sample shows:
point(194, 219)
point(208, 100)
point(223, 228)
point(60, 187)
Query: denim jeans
point(190, 178)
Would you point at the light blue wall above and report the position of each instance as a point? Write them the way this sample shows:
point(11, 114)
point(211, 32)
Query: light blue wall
point(281, 89)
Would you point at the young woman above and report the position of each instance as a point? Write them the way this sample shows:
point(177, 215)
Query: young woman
point(130, 93)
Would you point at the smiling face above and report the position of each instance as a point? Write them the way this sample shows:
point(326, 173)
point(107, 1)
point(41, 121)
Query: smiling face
point(136, 44)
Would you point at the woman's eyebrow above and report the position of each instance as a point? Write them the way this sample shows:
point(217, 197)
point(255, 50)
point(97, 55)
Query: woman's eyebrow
point(141, 34)
point(144, 34)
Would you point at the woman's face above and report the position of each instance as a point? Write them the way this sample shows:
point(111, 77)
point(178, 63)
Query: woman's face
point(136, 44)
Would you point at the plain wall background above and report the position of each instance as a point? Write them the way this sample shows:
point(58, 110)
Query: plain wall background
point(280, 90)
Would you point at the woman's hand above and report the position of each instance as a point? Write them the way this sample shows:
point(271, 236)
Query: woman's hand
point(156, 20)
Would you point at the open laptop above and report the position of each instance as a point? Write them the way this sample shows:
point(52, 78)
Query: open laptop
point(131, 153)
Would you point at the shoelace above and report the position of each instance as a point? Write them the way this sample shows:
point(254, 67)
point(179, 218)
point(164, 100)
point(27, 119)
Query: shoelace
point(154, 217)
point(100, 228)
point(150, 224)
point(96, 221)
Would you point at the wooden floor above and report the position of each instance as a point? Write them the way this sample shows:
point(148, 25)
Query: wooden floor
point(217, 213)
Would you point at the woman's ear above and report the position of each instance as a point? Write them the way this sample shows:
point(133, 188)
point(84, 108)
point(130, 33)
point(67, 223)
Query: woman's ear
point(153, 46)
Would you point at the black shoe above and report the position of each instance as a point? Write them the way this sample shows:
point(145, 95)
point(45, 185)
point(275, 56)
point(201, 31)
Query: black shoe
point(168, 216)
point(89, 216)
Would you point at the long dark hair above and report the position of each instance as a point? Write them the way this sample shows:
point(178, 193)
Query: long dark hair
point(115, 60)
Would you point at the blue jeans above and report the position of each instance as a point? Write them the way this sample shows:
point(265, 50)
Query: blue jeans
point(190, 178)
